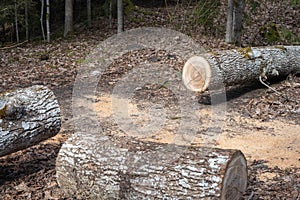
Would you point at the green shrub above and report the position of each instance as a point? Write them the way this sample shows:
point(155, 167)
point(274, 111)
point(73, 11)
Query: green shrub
point(206, 11)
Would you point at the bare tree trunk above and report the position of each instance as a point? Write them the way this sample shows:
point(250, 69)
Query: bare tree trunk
point(48, 20)
point(237, 21)
point(26, 20)
point(229, 38)
point(239, 66)
point(110, 13)
point(27, 117)
point(120, 16)
point(41, 20)
point(89, 13)
point(89, 167)
point(234, 21)
point(16, 22)
point(68, 17)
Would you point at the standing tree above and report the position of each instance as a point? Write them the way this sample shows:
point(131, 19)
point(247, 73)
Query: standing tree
point(41, 19)
point(68, 17)
point(26, 20)
point(89, 13)
point(48, 20)
point(110, 13)
point(120, 16)
point(234, 21)
point(16, 22)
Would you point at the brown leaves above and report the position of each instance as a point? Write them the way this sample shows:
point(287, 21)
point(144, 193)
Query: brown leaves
point(270, 105)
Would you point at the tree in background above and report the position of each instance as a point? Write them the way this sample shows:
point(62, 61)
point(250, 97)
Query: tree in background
point(48, 20)
point(120, 16)
point(68, 17)
point(26, 21)
point(234, 21)
point(41, 19)
point(89, 13)
point(16, 22)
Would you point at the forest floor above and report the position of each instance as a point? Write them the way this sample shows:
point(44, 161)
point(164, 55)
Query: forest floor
point(263, 125)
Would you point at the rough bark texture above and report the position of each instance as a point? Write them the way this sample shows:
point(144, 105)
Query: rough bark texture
point(239, 66)
point(90, 166)
point(27, 117)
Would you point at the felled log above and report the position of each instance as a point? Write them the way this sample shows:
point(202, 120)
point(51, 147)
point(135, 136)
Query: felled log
point(239, 66)
point(27, 117)
point(96, 167)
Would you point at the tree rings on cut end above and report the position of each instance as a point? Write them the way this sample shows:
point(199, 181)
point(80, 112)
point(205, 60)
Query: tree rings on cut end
point(235, 178)
point(196, 74)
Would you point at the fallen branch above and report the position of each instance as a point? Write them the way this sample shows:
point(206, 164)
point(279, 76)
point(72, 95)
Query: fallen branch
point(15, 45)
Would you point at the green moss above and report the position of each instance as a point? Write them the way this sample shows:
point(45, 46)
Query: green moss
point(280, 47)
point(245, 51)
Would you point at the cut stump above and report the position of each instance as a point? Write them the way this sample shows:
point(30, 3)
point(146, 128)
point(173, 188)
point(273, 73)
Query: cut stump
point(27, 117)
point(90, 166)
point(239, 66)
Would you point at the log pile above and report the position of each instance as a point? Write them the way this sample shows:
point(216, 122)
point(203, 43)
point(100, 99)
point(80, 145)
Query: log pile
point(239, 66)
point(27, 117)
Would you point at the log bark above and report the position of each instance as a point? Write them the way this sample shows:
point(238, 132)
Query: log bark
point(90, 166)
point(239, 66)
point(27, 117)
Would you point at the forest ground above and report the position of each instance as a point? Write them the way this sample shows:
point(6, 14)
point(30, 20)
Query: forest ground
point(272, 149)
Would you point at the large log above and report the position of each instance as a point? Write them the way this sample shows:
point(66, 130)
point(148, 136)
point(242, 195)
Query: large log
point(97, 167)
point(27, 117)
point(239, 66)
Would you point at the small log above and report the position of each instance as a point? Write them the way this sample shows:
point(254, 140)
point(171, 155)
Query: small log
point(27, 117)
point(239, 66)
point(97, 167)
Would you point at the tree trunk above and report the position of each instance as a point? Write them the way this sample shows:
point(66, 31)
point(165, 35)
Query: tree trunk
point(239, 66)
point(48, 20)
point(89, 13)
point(234, 21)
point(26, 20)
point(27, 117)
point(68, 17)
point(110, 13)
point(120, 16)
point(41, 20)
point(229, 38)
point(16, 22)
point(90, 166)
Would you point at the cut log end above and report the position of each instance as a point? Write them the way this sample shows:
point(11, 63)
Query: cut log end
point(239, 66)
point(134, 170)
point(235, 178)
point(196, 74)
